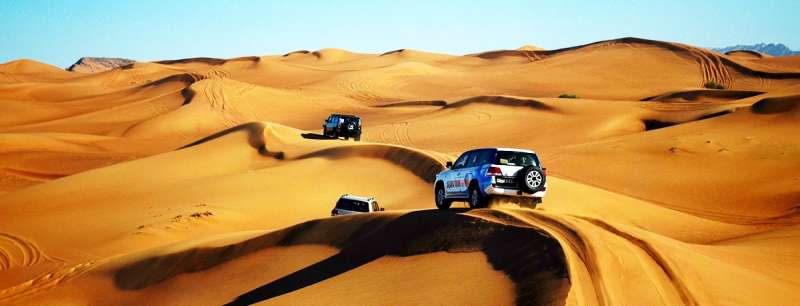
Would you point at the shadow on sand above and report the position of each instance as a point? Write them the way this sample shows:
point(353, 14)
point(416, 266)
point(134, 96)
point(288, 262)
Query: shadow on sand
point(255, 138)
point(532, 259)
point(315, 136)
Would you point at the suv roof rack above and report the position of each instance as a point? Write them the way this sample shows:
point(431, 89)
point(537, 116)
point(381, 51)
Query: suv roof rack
point(365, 198)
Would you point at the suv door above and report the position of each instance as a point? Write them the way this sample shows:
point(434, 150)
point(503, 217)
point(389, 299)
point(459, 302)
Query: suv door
point(468, 173)
point(342, 207)
point(330, 124)
point(361, 206)
point(450, 182)
point(460, 174)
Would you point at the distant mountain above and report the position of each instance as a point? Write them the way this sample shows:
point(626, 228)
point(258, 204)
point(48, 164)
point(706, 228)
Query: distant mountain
point(98, 64)
point(771, 49)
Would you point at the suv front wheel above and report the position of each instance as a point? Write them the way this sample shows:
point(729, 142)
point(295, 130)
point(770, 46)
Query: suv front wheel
point(441, 201)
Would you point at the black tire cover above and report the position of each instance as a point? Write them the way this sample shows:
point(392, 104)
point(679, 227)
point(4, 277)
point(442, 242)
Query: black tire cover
point(523, 173)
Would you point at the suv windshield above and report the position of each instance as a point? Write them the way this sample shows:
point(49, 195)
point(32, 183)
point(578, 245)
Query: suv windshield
point(352, 205)
point(511, 158)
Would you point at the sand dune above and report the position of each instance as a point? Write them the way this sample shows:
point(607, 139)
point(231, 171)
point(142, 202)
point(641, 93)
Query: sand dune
point(703, 95)
point(152, 182)
point(783, 63)
point(726, 144)
point(25, 70)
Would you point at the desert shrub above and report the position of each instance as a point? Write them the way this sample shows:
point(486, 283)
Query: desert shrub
point(713, 85)
point(568, 96)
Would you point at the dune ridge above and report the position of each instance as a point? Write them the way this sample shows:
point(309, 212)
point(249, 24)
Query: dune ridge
point(714, 66)
point(778, 105)
point(496, 100)
point(750, 53)
point(208, 60)
point(703, 95)
point(419, 163)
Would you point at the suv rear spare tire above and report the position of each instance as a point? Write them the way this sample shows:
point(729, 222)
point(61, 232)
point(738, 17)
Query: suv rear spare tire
point(531, 179)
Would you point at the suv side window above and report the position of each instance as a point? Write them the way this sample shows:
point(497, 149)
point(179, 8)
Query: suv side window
point(461, 162)
point(473, 158)
point(343, 204)
point(536, 159)
point(480, 158)
point(361, 206)
point(488, 157)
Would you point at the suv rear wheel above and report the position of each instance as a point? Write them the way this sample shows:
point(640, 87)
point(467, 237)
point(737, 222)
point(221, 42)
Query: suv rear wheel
point(476, 200)
point(441, 201)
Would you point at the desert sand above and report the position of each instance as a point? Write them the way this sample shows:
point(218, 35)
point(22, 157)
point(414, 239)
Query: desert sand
point(205, 181)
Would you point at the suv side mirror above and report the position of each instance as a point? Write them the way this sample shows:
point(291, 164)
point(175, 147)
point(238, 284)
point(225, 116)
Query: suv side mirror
point(449, 164)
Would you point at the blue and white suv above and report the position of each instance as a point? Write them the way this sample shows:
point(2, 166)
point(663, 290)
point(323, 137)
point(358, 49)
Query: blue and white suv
point(480, 174)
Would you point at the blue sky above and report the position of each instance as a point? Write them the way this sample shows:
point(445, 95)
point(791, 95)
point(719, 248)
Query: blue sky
point(60, 32)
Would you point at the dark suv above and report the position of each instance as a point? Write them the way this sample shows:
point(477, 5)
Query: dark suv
point(346, 126)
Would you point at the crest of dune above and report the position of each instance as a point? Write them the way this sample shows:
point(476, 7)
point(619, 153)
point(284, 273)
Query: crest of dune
point(530, 48)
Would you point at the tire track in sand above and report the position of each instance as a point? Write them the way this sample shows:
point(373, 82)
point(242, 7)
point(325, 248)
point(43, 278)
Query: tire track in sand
point(111, 76)
point(392, 133)
point(9, 76)
point(214, 91)
point(16, 251)
point(572, 240)
point(43, 282)
point(219, 90)
point(27, 251)
point(483, 116)
point(401, 134)
point(659, 259)
point(711, 67)
point(581, 245)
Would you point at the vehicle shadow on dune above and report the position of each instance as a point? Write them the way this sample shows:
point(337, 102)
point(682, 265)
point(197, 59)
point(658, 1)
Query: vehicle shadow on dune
point(532, 259)
point(315, 136)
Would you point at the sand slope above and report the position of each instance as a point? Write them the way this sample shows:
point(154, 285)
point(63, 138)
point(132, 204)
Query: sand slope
point(152, 182)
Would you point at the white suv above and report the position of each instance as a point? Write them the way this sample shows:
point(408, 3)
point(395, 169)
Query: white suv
point(480, 174)
point(353, 204)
